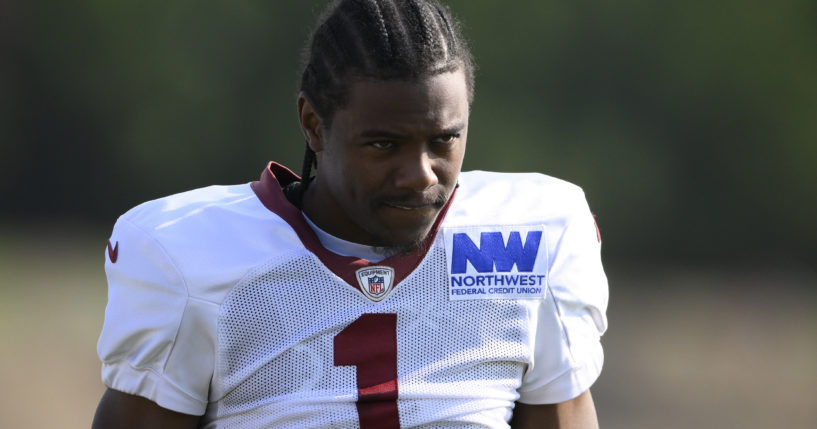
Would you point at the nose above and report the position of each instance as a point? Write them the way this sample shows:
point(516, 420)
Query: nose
point(416, 172)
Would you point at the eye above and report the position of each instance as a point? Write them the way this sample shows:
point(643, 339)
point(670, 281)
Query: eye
point(382, 144)
point(446, 139)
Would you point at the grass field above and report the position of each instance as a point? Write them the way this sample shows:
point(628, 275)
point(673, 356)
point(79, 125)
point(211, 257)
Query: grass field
point(687, 348)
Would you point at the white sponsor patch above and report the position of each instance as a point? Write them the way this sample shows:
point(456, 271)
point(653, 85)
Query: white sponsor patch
point(375, 282)
point(505, 262)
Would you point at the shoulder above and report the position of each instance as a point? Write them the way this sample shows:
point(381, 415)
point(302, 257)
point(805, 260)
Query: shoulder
point(205, 238)
point(519, 198)
point(572, 317)
point(190, 206)
point(171, 262)
point(517, 184)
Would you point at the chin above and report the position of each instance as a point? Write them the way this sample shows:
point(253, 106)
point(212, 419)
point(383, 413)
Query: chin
point(393, 244)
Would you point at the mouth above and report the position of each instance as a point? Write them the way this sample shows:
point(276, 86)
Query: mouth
point(406, 219)
point(435, 202)
point(409, 207)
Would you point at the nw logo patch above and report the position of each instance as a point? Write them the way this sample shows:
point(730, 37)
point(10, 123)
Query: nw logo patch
point(493, 254)
point(496, 263)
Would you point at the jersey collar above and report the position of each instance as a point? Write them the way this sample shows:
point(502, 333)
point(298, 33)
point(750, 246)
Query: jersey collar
point(268, 190)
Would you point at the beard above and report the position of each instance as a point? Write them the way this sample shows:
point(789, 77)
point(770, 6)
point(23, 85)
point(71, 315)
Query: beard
point(397, 249)
point(389, 246)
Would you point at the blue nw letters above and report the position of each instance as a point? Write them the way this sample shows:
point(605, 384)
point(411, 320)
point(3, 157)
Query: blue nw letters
point(493, 251)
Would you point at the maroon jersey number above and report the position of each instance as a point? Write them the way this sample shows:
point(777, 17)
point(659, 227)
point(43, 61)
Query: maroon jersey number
point(370, 344)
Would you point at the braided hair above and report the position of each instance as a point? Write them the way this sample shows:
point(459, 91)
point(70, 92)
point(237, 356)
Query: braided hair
point(380, 40)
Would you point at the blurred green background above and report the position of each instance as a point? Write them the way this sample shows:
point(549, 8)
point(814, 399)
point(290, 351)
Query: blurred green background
point(691, 126)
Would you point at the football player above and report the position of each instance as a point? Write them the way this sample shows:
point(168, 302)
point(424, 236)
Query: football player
point(387, 290)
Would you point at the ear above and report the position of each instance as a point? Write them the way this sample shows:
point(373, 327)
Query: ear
point(311, 124)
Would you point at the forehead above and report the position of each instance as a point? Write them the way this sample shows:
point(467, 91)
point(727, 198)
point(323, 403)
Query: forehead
point(437, 101)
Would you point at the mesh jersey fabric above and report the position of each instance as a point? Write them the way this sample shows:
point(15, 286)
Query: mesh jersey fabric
point(221, 305)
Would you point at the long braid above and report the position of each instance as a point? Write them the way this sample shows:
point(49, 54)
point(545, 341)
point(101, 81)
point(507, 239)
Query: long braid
point(310, 160)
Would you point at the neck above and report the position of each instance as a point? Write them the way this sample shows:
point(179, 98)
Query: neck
point(326, 214)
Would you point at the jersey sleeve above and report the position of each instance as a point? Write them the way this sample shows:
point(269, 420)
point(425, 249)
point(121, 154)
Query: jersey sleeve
point(571, 319)
point(157, 341)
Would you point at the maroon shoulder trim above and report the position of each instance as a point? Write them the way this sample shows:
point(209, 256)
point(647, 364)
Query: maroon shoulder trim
point(268, 190)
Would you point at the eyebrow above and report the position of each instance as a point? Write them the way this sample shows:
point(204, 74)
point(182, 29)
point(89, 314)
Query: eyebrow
point(455, 129)
point(383, 133)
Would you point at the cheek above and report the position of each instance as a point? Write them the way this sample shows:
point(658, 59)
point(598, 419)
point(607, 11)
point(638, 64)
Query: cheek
point(350, 181)
point(334, 165)
point(450, 169)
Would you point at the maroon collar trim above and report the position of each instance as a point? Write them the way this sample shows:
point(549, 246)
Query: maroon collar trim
point(268, 190)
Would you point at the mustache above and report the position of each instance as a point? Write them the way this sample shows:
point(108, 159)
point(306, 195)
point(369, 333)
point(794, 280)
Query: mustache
point(436, 199)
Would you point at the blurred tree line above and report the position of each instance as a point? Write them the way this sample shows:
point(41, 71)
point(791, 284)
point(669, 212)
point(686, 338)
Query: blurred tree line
point(690, 125)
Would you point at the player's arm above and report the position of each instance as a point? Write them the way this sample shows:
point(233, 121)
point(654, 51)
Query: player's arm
point(569, 323)
point(156, 342)
point(120, 410)
point(577, 413)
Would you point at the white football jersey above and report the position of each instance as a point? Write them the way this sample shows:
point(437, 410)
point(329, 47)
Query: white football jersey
point(223, 303)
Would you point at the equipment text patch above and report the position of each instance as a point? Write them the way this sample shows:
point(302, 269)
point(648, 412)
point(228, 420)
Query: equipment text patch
point(375, 282)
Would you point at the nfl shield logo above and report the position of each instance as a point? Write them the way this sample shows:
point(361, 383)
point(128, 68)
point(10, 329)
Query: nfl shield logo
point(375, 285)
point(375, 282)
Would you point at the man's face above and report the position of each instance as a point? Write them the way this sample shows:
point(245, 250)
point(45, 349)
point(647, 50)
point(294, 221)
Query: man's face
point(390, 160)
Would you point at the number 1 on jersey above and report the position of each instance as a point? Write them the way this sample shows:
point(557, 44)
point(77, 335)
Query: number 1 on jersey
point(370, 344)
